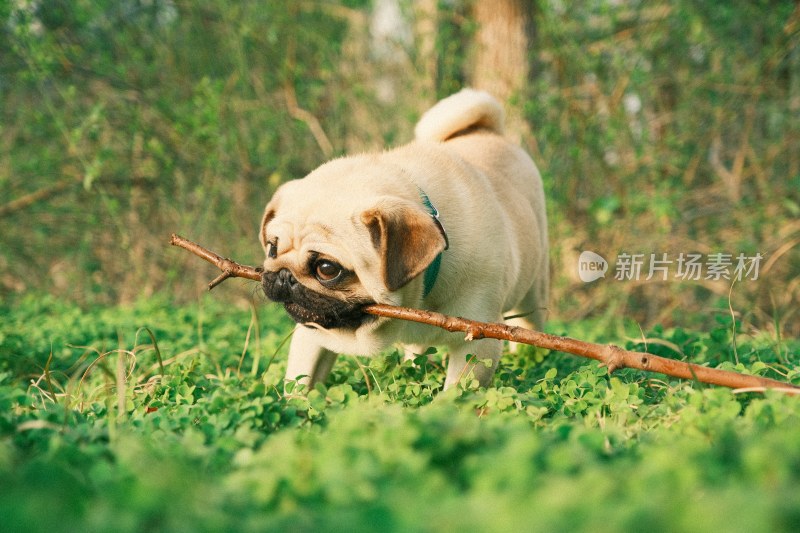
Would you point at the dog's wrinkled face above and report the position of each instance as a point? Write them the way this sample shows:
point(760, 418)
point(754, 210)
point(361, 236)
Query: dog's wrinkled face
point(311, 276)
point(330, 253)
point(307, 306)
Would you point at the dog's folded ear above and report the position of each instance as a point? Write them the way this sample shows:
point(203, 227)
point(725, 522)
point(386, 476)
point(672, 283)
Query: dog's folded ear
point(269, 214)
point(407, 239)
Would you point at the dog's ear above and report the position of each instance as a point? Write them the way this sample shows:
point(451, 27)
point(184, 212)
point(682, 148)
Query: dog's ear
point(407, 239)
point(269, 214)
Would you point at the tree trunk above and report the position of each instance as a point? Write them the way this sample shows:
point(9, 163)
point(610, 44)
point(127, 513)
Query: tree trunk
point(426, 14)
point(501, 57)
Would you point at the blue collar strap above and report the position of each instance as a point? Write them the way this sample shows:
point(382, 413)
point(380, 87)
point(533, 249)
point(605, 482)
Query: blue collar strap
point(432, 272)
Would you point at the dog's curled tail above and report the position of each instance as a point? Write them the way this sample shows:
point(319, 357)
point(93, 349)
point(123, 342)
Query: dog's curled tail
point(467, 109)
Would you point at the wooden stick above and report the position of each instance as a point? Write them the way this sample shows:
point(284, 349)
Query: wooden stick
point(229, 268)
point(611, 356)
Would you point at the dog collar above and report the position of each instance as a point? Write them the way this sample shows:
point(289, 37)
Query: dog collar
point(432, 272)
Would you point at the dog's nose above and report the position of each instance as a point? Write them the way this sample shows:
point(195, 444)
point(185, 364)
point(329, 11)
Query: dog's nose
point(285, 277)
point(282, 288)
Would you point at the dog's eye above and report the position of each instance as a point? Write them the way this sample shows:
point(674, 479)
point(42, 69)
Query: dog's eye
point(327, 271)
point(272, 248)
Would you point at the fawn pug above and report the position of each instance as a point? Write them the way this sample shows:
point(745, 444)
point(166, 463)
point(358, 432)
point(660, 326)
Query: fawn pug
point(452, 222)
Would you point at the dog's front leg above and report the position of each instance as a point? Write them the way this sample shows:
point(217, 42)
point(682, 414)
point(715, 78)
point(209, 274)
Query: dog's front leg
point(469, 359)
point(309, 363)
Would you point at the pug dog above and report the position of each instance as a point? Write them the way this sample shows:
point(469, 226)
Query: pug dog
point(452, 222)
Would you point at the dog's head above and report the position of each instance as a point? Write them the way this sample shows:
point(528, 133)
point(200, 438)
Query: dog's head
point(335, 243)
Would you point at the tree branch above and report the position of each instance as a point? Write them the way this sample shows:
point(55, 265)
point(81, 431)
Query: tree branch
point(297, 112)
point(609, 355)
point(309, 119)
point(23, 202)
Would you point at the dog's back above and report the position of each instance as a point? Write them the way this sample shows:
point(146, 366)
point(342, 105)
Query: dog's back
point(470, 123)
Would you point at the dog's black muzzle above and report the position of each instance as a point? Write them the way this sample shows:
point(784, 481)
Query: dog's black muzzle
point(309, 307)
point(279, 288)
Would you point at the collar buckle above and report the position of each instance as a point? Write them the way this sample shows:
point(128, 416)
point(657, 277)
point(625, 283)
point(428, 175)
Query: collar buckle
point(434, 213)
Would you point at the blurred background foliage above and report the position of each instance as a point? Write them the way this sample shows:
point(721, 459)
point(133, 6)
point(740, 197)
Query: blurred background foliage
point(659, 127)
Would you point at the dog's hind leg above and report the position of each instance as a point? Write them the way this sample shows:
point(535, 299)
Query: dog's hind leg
point(529, 314)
